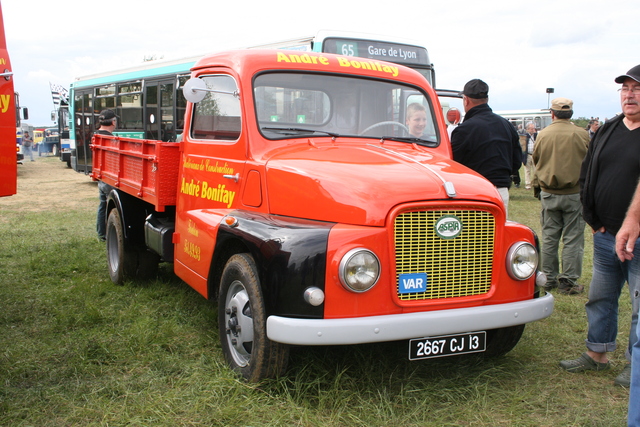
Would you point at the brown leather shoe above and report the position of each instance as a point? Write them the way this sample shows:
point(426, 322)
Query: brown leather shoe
point(566, 287)
point(573, 290)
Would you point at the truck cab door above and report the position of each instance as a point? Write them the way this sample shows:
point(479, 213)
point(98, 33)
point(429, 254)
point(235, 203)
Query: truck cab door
point(211, 176)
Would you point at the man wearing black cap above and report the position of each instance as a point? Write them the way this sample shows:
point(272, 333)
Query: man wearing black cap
point(486, 142)
point(107, 120)
point(558, 153)
point(609, 175)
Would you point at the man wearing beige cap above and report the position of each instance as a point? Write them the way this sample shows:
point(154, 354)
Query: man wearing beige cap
point(558, 154)
point(608, 178)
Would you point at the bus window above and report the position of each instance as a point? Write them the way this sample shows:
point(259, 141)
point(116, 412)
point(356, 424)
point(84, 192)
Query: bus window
point(541, 118)
point(129, 109)
point(538, 122)
point(181, 106)
point(105, 98)
point(167, 124)
point(151, 106)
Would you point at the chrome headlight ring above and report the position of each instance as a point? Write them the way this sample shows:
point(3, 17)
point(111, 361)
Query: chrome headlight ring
point(359, 270)
point(522, 261)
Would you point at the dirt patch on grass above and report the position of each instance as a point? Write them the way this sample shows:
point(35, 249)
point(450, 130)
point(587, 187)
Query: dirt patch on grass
point(48, 184)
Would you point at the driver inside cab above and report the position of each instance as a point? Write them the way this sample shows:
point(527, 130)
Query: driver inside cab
point(416, 119)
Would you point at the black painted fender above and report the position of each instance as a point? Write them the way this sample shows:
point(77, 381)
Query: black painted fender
point(290, 254)
point(133, 213)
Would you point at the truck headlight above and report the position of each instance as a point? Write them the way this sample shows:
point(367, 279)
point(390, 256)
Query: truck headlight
point(359, 270)
point(522, 260)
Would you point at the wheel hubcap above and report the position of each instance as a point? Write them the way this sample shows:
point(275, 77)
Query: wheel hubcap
point(239, 323)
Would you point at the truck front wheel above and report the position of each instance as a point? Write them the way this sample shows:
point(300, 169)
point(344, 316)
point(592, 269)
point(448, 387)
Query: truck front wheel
point(242, 323)
point(503, 340)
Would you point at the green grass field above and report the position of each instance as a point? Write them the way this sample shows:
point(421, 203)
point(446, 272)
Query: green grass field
point(76, 350)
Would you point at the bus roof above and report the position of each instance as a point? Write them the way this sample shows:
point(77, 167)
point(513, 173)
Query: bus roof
point(146, 69)
point(305, 43)
point(323, 34)
point(539, 112)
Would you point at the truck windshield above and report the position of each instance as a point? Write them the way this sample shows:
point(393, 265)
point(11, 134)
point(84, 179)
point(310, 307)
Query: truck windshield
point(291, 105)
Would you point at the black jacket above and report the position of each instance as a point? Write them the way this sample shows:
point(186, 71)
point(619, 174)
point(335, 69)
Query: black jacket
point(589, 171)
point(488, 144)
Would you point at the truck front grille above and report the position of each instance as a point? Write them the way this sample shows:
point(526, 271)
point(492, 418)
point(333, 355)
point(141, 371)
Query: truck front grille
point(455, 267)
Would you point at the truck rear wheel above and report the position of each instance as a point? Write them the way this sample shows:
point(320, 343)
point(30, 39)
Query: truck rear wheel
point(242, 323)
point(502, 341)
point(121, 257)
point(126, 261)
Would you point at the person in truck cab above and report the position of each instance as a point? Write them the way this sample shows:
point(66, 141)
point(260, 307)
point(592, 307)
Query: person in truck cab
point(416, 119)
point(486, 142)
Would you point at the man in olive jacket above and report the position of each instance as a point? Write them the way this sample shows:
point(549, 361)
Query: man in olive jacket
point(558, 154)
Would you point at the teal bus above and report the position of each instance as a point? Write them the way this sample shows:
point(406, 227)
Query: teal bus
point(148, 98)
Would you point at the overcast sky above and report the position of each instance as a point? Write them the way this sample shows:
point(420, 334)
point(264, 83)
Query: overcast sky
point(518, 48)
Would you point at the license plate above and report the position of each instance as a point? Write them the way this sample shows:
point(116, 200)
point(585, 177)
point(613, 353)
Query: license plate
point(447, 345)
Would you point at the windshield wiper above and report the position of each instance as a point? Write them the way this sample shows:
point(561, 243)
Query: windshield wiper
point(294, 131)
point(411, 139)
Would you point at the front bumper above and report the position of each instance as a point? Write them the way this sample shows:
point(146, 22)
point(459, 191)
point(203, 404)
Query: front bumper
point(359, 330)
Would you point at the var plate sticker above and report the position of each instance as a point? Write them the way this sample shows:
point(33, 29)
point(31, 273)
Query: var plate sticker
point(412, 283)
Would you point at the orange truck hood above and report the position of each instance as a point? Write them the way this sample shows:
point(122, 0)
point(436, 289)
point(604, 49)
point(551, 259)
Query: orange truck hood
point(359, 184)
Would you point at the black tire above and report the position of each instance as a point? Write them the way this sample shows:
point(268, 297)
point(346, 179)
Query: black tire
point(502, 341)
point(127, 262)
point(242, 323)
point(121, 257)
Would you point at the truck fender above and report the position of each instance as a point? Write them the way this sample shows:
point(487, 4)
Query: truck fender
point(133, 213)
point(290, 254)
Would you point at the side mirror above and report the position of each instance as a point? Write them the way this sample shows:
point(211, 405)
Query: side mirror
point(196, 89)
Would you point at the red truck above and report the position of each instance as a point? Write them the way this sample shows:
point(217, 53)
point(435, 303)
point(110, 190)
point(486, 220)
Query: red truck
point(298, 198)
point(8, 146)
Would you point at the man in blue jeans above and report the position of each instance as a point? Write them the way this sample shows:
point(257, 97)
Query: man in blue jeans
point(107, 120)
point(608, 178)
point(626, 242)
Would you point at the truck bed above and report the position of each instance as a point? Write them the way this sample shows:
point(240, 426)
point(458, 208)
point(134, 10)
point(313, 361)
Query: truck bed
point(143, 168)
